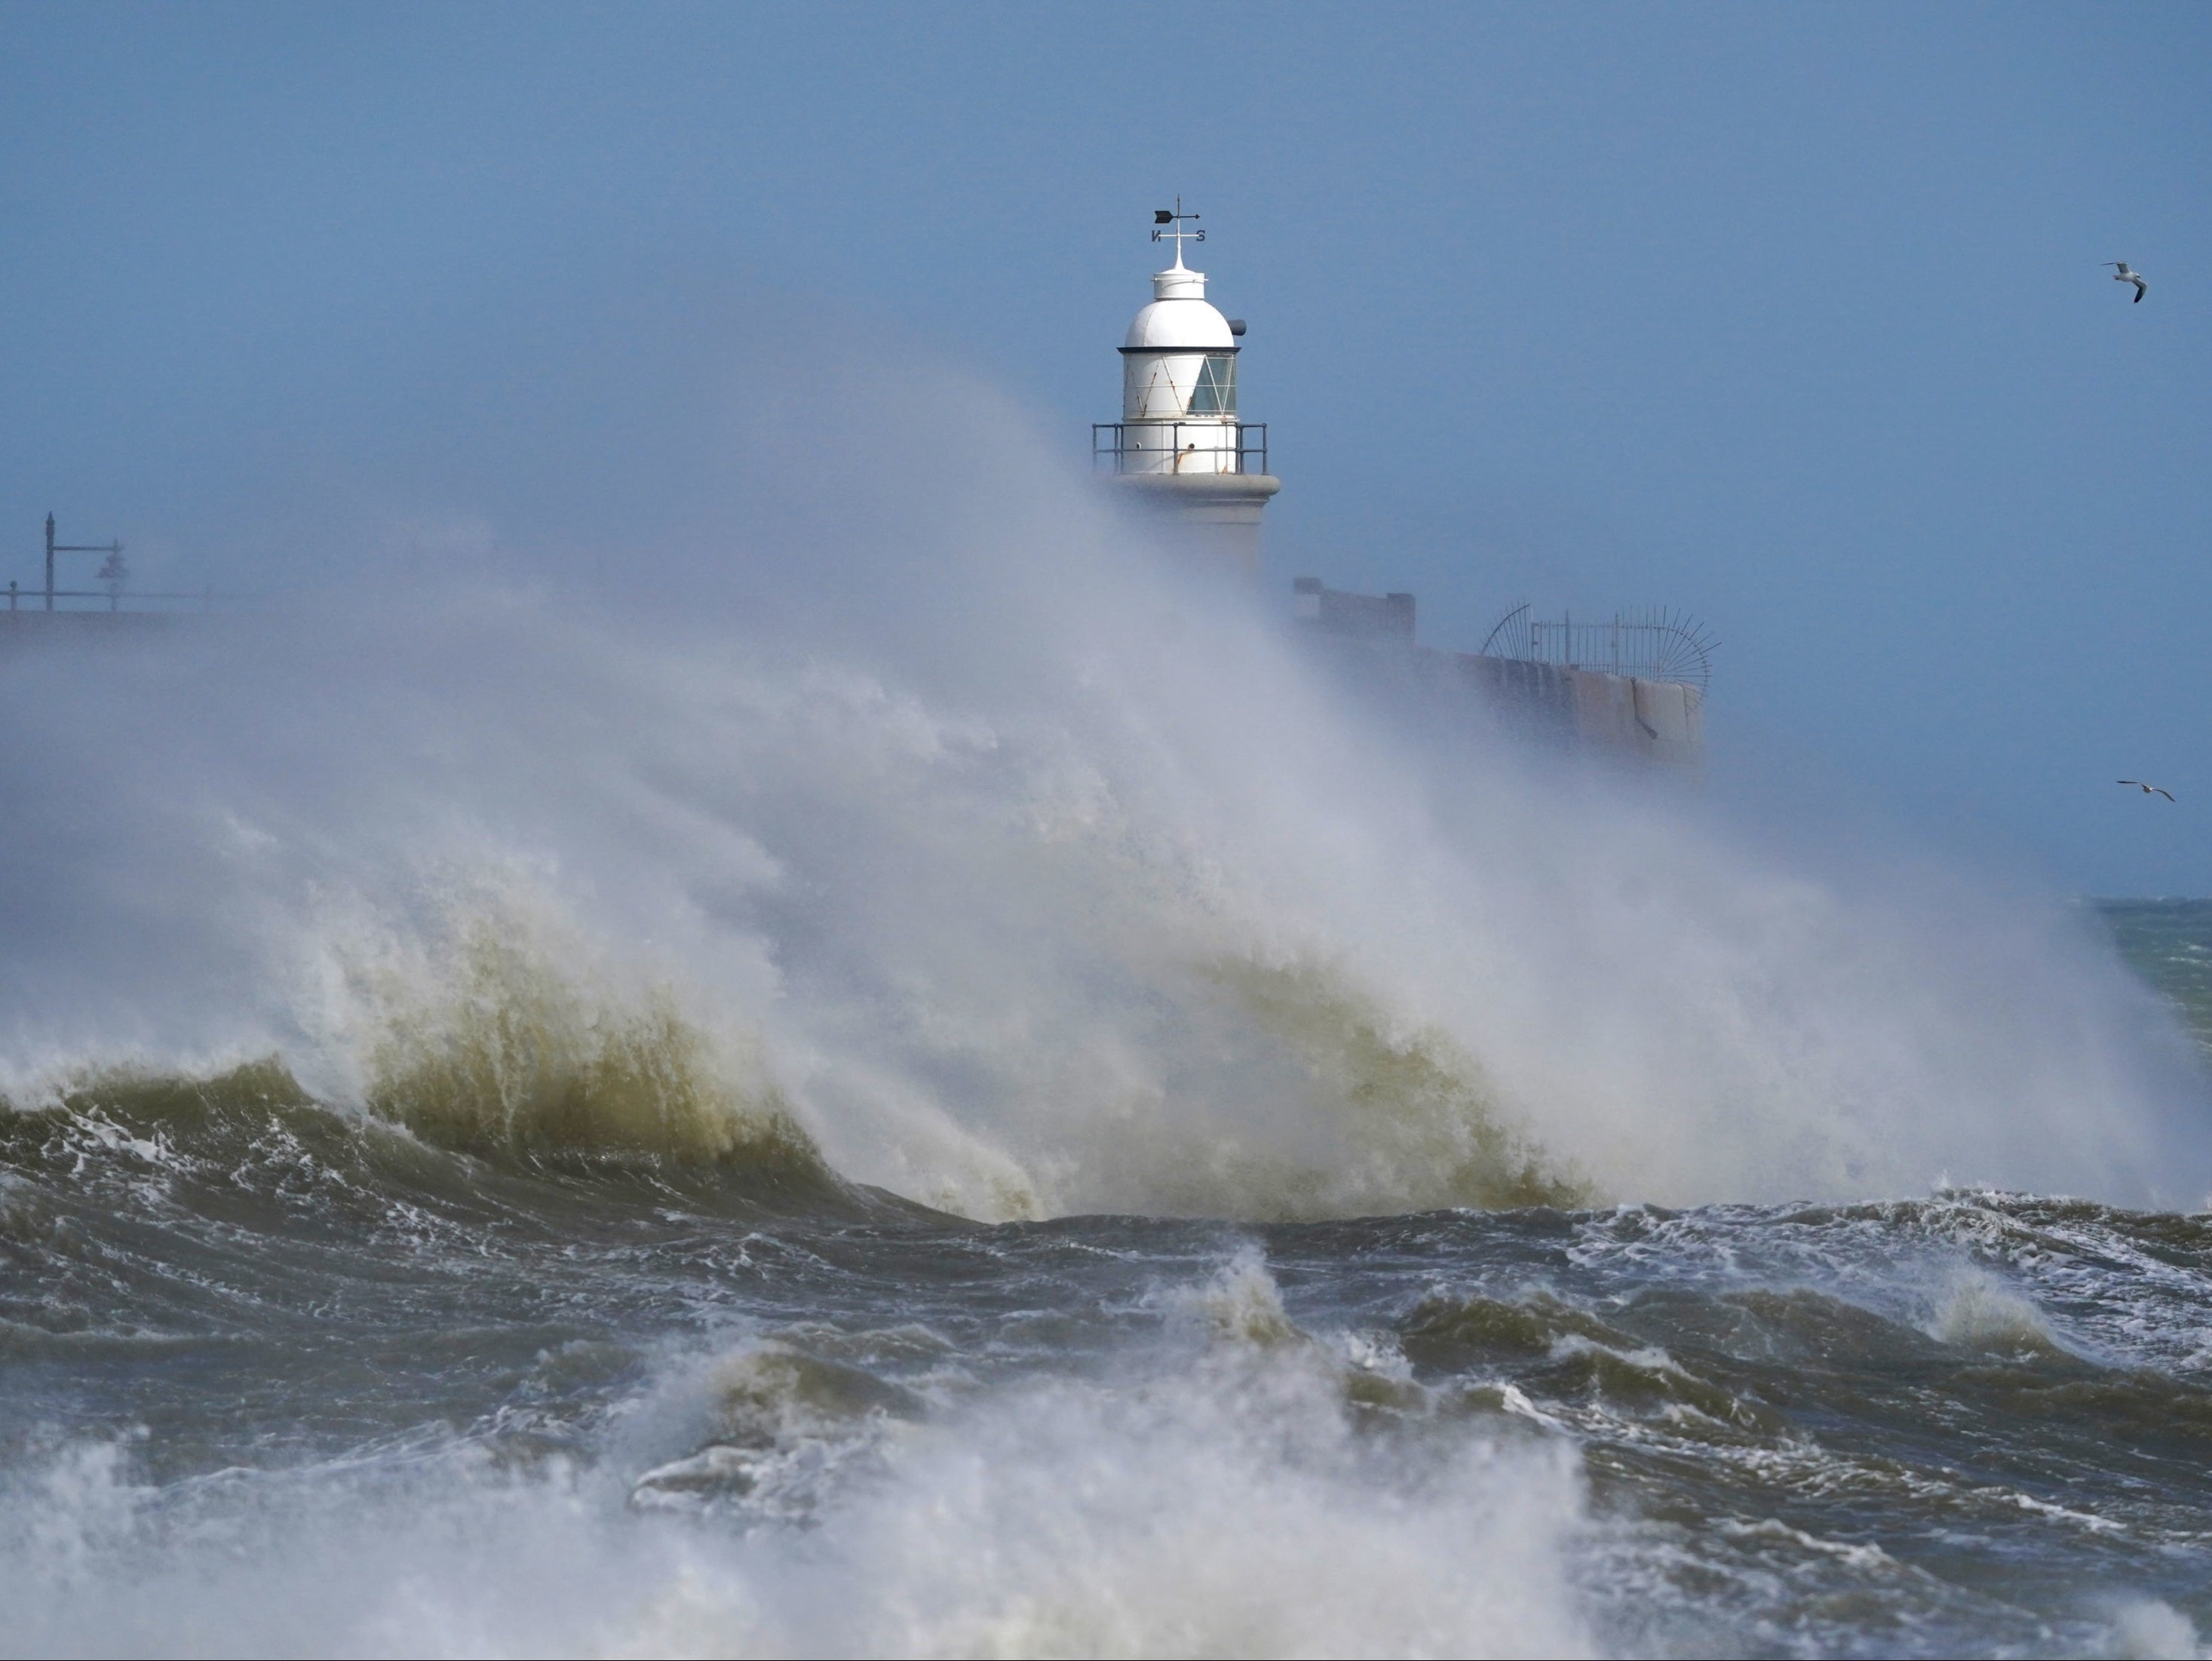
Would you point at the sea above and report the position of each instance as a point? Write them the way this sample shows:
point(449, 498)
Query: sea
point(1325, 1245)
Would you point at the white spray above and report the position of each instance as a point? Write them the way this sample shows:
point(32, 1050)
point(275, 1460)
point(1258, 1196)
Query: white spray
point(1037, 876)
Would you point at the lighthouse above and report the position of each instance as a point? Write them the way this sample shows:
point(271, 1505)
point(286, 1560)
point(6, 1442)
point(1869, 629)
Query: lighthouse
point(1180, 447)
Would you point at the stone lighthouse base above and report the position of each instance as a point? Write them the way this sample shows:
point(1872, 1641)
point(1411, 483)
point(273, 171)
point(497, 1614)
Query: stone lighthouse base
point(1217, 514)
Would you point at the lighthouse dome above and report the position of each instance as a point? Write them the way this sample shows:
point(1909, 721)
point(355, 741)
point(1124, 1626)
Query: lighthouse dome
point(1179, 318)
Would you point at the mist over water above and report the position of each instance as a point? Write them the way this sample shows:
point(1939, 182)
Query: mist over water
point(593, 1073)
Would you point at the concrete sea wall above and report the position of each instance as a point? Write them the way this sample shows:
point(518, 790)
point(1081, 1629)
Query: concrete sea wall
point(1645, 720)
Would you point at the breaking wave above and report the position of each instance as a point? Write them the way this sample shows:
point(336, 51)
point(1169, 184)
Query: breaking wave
point(999, 865)
point(510, 1058)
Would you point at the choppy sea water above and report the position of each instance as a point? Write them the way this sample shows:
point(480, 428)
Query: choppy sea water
point(1026, 1130)
point(281, 1376)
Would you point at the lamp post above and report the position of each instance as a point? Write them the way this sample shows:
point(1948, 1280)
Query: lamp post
point(113, 549)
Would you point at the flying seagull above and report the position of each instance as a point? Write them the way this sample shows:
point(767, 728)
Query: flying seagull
point(2123, 275)
point(2148, 789)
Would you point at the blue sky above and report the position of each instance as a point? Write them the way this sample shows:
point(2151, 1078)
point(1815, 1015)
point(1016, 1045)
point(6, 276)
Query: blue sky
point(1789, 316)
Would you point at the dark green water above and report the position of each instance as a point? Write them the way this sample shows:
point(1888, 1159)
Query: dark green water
point(2169, 944)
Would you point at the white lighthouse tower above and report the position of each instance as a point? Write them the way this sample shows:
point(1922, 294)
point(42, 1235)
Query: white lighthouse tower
point(1180, 447)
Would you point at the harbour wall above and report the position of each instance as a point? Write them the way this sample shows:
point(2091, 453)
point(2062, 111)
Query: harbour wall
point(1369, 640)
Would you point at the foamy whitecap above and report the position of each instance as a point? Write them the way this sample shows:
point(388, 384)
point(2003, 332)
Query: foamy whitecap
point(2151, 1629)
point(1187, 1516)
point(1981, 1312)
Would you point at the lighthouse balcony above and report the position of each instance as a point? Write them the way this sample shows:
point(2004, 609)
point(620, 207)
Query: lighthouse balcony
point(1179, 448)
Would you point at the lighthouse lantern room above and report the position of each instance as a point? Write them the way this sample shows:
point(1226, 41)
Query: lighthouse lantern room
point(1180, 447)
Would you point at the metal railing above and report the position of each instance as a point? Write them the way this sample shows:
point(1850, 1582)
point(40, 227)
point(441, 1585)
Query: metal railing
point(1652, 643)
point(120, 598)
point(1113, 439)
point(114, 580)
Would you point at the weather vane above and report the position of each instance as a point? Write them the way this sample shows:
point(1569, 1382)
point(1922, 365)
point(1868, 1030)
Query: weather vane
point(1167, 225)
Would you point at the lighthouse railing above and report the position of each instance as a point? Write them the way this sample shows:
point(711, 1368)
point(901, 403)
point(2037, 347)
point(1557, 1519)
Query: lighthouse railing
point(1137, 446)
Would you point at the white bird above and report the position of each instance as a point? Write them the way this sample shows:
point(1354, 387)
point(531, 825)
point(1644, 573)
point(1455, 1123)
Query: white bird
point(2123, 275)
point(2148, 789)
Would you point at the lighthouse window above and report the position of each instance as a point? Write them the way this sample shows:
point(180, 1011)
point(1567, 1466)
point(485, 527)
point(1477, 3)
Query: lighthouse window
point(1216, 390)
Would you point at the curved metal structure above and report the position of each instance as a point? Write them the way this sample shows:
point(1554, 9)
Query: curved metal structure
point(1649, 643)
point(1508, 638)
